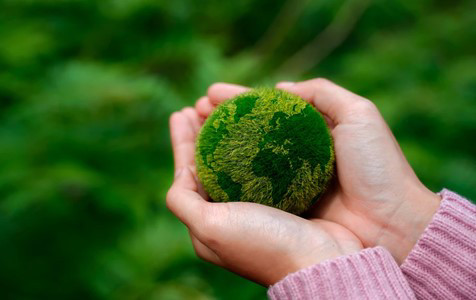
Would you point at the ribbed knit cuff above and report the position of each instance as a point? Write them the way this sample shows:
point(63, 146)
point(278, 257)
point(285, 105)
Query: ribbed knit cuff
point(442, 265)
point(370, 274)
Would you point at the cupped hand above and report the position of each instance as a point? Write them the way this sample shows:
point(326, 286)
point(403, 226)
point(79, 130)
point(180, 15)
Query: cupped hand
point(377, 195)
point(258, 242)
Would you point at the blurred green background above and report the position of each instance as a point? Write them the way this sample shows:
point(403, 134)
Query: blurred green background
point(86, 88)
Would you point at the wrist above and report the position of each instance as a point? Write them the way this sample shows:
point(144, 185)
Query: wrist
point(409, 222)
point(319, 249)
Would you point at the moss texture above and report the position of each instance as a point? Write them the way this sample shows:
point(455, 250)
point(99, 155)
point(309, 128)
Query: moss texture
point(266, 146)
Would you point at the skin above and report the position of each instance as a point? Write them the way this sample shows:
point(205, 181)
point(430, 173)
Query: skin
point(377, 200)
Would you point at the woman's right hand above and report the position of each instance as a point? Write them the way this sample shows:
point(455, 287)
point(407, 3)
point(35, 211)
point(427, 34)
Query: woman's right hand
point(378, 196)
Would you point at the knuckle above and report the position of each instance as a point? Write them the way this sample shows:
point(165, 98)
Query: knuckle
point(204, 254)
point(170, 197)
point(363, 112)
point(365, 107)
point(211, 241)
point(174, 115)
point(321, 83)
point(202, 101)
point(188, 109)
point(199, 253)
point(212, 87)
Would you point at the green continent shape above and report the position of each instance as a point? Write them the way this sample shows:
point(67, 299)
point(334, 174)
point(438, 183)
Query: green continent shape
point(213, 134)
point(242, 106)
point(231, 188)
point(300, 140)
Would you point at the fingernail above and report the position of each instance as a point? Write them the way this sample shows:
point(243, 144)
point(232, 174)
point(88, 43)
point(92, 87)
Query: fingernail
point(285, 84)
point(178, 172)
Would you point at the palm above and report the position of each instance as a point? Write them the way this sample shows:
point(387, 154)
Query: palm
point(360, 199)
point(367, 157)
point(252, 235)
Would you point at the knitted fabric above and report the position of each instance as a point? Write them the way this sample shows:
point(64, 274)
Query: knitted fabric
point(442, 265)
point(370, 274)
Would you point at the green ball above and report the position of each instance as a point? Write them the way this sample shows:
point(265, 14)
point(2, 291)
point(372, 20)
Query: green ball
point(266, 146)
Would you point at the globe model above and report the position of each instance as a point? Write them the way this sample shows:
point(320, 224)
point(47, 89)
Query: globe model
point(265, 146)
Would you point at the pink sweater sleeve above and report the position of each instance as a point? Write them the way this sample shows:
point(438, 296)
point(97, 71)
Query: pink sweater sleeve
point(442, 265)
point(370, 274)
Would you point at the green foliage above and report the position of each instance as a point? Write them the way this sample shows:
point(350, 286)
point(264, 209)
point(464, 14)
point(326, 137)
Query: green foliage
point(266, 146)
point(86, 88)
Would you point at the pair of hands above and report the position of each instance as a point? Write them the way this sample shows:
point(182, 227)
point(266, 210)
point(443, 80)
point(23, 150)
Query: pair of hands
point(377, 199)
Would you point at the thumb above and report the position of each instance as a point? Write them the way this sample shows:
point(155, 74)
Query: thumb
point(183, 199)
point(185, 179)
point(329, 98)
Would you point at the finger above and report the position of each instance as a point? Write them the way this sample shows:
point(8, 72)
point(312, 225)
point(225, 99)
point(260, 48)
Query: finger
point(203, 251)
point(182, 136)
point(203, 107)
point(329, 98)
point(183, 199)
point(219, 92)
point(193, 118)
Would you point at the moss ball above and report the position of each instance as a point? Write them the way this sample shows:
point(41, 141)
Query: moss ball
point(266, 146)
